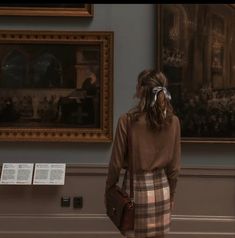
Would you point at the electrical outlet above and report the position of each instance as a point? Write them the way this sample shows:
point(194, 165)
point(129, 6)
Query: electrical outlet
point(77, 202)
point(65, 202)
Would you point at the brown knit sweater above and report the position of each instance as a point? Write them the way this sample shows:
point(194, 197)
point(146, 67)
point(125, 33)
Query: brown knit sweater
point(150, 150)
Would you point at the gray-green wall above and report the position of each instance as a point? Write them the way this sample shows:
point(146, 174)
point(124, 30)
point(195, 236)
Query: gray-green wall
point(134, 27)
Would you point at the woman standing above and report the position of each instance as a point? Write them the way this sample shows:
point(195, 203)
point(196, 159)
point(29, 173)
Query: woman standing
point(156, 155)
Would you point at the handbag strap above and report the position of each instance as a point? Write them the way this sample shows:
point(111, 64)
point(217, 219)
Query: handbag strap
point(130, 159)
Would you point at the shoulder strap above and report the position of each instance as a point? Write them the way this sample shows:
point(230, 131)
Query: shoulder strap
point(130, 159)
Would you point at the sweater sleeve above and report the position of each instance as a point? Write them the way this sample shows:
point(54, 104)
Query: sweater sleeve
point(119, 151)
point(174, 166)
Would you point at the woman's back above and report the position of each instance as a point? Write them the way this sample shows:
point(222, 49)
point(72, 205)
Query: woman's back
point(153, 149)
point(154, 133)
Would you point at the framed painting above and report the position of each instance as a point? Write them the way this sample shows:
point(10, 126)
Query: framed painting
point(46, 9)
point(195, 50)
point(56, 86)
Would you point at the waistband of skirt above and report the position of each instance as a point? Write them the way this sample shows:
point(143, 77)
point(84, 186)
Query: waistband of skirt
point(158, 171)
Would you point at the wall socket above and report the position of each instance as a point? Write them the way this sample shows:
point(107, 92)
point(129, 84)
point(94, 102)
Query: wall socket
point(65, 202)
point(78, 202)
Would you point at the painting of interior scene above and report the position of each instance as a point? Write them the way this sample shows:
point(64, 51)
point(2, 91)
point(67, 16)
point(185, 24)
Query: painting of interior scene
point(198, 57)
point(45, 85)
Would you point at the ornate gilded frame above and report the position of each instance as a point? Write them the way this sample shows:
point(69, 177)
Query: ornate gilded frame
point(81, 10)
point(188, 30)
point(104, 42)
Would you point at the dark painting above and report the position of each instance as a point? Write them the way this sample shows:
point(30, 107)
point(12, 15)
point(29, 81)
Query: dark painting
point(49, 85)
point(56, 86)
point(197, 56)
point(50, 8)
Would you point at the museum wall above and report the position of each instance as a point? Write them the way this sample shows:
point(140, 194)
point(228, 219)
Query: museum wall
point(134, 27)
point(205, 195)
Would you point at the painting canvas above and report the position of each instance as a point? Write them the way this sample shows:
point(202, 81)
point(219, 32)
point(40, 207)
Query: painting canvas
point(196, 45)
point(56, 85)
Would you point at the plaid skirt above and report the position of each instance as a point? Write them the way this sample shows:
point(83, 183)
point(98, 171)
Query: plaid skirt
point(152, 203)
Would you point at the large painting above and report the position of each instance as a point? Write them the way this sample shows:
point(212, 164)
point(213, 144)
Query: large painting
point(195, 48)
point(56, 86)
point(46, 9)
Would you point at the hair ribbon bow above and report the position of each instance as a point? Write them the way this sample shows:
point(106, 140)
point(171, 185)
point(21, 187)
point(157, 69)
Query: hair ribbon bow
point(157, 90)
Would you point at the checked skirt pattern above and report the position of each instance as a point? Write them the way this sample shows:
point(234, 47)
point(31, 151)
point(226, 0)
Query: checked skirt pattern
point(152, 203)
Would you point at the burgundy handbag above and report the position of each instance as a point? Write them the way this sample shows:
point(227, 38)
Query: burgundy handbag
point(120, 207)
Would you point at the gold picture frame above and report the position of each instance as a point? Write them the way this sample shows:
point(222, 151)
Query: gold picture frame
point(194, 49)
point(56, 86)
point(63, 10)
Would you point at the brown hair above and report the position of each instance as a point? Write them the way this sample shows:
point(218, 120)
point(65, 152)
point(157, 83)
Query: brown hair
point(160, 114)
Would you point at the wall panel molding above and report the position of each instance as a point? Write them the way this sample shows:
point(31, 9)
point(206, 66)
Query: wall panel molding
point(34, 211)
point(95, 169)
point(101, 169)
point(185, 226)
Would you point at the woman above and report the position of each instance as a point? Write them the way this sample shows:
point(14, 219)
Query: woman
point(156, 155)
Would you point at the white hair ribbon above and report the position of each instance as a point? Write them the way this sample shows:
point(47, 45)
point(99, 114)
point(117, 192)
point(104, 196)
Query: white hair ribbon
point(157, 90)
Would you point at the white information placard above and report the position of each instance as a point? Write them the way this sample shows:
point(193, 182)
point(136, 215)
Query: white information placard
point(17, 173)
point(49, 174)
